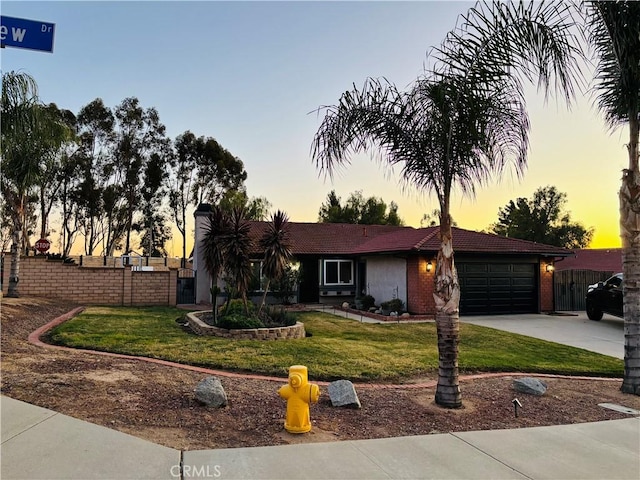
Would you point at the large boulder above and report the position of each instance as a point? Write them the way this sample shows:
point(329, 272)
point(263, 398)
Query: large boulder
point(530, 386)
point(210, 392)
point(343, 394)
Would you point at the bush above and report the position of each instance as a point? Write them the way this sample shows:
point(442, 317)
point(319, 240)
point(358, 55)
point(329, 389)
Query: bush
point(367, 302)
point(394, 305)
point(277, 317)
point(235, 306)
point(238, 321)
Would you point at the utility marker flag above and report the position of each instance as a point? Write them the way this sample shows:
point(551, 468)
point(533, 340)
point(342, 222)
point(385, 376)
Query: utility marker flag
point(30, 34)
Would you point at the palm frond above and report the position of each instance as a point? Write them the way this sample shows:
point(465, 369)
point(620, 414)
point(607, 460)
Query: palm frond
point(614, 38)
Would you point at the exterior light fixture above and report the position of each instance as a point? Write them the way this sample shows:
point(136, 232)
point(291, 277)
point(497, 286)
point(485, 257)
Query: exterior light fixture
point(429, 266)
point(550, 267)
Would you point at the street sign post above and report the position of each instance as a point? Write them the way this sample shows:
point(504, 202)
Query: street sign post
point(29, 34)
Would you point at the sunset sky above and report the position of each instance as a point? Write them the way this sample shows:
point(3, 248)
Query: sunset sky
point(251, 74)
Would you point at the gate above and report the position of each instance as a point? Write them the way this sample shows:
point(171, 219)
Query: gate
point(186, 291)
point(570, 287)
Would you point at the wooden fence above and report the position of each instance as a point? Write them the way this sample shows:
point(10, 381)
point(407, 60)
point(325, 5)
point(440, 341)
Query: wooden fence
point(570, 287)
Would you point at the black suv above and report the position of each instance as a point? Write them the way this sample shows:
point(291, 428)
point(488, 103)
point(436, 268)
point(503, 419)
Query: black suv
point(605, 297)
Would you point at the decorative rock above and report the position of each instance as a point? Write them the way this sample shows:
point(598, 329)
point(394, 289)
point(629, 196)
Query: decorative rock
point(530, 386)
point(345, 304)
point(343, 394)
point(405, 315)
point(210, 392)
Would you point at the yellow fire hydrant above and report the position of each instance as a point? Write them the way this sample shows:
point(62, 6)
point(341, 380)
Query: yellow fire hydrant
point(299, 393)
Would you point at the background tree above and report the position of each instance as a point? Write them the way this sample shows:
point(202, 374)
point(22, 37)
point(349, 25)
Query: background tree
point(95, 199)
point(182, 177)
point(542, 219)
point(52, 165)
point(359, 210)
point(457, 126)
point(139, 136)
point(256, 208)
point(218, 172)
point(153, 221)
point(612, 30)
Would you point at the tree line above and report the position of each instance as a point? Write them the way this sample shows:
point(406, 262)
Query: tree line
point(112, 174)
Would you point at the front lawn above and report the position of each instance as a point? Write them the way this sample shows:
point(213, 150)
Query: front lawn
point(338, 348)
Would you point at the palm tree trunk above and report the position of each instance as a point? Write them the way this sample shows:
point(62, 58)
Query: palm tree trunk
point(630, 233)
point(14, 273)
point(447, 298)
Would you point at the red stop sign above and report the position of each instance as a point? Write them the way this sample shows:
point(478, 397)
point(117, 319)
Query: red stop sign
point(43, 245)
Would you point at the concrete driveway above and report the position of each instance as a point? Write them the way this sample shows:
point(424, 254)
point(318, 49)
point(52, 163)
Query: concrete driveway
point(569, 328)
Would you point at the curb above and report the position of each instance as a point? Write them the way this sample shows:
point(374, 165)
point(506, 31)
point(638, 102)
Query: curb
point(35, 339)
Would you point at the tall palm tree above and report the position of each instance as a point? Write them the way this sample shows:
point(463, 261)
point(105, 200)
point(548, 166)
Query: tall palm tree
point(277, 250)
point(614, 32)
point(456, 127)
point(29, 134)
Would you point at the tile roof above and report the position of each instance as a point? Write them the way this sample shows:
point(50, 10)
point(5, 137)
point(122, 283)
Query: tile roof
point(350, 239)
point(598, 259)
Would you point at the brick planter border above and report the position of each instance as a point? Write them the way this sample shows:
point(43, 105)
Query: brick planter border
point(276, 333)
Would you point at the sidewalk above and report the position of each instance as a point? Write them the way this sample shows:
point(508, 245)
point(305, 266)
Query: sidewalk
point(42, 444)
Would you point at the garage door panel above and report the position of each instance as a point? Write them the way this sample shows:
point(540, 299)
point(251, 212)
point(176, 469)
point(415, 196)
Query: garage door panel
point(498, 288)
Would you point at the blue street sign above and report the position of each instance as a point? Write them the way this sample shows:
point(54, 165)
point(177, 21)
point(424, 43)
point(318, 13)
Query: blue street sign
point(22, 33)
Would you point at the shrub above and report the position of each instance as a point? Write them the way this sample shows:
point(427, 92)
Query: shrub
point(277, 317)
point(394, 305)
point(235, 306)
point(367, 302)
point(239, 321)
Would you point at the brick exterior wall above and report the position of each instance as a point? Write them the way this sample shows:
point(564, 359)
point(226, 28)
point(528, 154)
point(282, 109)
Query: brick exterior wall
point(93, 285)
point(546, 286)
point(420, 286)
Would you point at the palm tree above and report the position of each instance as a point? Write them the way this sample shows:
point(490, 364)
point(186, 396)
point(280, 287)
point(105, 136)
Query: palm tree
point(213, 245)
point(456, 127)
point(613, 30)
point(29, 135)
point(277, 250)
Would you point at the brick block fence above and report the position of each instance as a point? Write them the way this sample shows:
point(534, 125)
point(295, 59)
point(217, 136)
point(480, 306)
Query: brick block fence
point(40, 277)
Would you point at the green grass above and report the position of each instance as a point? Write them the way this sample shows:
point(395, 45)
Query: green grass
point(338, 348)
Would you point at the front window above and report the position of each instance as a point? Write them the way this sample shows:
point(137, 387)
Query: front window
point(338, 272)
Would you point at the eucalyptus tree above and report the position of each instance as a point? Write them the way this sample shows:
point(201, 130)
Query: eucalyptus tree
point(182, 177)
point(139, 134)
point(200, 170)
point(96, 132)
point(613, 32)
point(456, 127)
point(53, 171)
point(153, 220)
point(28, 135)
point(219, 171)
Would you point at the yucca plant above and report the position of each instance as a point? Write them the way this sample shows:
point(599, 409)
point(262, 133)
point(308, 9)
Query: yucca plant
point(277, 250)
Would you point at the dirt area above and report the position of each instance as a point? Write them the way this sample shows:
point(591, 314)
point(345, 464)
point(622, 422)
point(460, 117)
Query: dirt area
point(156, 402)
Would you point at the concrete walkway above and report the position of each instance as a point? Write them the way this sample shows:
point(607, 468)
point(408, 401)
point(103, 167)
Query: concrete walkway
point(41, 444)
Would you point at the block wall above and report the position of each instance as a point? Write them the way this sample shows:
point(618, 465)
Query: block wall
point(93, 285)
